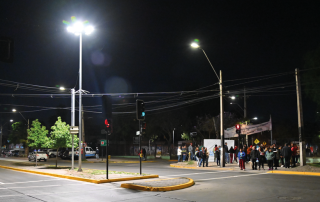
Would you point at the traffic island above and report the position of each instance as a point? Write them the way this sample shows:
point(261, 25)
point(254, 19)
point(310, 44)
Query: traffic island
point(161, 185)
point(87, 175)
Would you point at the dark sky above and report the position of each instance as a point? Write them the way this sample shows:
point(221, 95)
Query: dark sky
point(144, 46)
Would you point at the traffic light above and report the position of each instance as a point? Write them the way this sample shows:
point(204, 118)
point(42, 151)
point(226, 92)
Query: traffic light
point(6, 49)
point(140, 110)
point(238, 129)
point(144, 126)
point(108, 124)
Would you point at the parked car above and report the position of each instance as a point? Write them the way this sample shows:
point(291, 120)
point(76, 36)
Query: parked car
point(89, 152)
point(52, 153)
point(40, 156)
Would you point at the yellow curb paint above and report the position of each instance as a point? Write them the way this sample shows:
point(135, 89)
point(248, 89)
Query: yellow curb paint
point(81, 179)
point(294, 173)
point(168, 188)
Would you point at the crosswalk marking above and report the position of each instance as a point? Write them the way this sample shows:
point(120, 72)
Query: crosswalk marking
point(217, 178)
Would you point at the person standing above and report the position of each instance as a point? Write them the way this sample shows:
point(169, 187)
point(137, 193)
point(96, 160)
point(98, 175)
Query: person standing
point(261, 157)
point(190, 150)
point(97, 153)
point(248, 153)
point(241, 157)
point(270, 157)
point(254, 157)
point(144, 152)
point(276, 158)
point(214, 151)
point(179, 153)
point(286, 151)
point(184, 153)
point(281, 156)
point(200, 153)
point(226, 153)
point(293, 154)
point(196, 154)
point(204, 156)
point(298, 155)
point(235, 153)
point(231, 152)
point(217, 154)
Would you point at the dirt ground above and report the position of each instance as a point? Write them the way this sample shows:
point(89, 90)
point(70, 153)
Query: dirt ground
point(87, 173)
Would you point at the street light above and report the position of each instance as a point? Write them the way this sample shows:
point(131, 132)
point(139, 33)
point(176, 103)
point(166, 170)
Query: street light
point(255, 118)
point(196, 45)
point(1, 135)
point(233, 97)
point(78, 28)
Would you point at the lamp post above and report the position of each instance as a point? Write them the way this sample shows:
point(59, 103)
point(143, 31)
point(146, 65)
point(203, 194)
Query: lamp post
point(26, 150)
point(196, 45)
point(1, 135)
point(78, 28)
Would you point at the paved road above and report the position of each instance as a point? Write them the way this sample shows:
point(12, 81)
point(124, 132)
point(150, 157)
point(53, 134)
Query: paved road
point(210, 186)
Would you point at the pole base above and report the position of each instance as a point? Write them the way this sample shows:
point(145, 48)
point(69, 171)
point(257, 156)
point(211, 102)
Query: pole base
point(79, 170)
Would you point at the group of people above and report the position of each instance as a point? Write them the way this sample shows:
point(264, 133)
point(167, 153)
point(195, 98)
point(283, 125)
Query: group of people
point(273, 155)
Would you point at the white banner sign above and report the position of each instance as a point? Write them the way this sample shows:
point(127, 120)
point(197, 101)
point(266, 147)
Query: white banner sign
point(210, 143)
point(248, 129)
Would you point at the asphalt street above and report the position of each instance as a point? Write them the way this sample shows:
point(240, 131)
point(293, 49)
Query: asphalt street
point(209, 186)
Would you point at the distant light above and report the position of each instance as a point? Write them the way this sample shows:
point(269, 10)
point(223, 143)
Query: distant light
point(231, 103)
point(80, 27)
point(195, 45)
point(255, 118)
point(233, 97)
point(89, 30)
point(11, 120)
point(143, 114)
point(62, 88)
point(14, 110)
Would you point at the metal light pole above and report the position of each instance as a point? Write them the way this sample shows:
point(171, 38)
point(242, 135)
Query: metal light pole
point(72, 124)
point(78, 29)
point(196, 45)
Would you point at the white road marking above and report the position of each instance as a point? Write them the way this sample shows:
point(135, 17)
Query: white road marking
point(1, 183)
point(217, 178)
point(194, 173)
point(31, 181)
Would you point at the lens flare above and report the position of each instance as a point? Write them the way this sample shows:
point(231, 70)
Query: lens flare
point(65, 22)
point(196, 40)
point(73, 18)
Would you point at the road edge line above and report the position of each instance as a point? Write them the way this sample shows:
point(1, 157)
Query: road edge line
point(294, 173)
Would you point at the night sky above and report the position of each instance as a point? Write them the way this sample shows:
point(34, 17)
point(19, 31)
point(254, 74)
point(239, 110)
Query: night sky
point(144, 46)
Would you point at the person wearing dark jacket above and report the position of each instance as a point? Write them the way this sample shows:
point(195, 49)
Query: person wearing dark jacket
point(217, 154)
point(226, 153)
point(231, 151)
point(276, 158)
point(286, 152)
point(254, 154)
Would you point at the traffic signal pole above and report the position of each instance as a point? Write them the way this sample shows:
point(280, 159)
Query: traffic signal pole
point(222, 162)
point(140, 152)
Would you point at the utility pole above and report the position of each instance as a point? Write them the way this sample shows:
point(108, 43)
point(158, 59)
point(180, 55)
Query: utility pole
point(72, 124)
point(222, 162)
point(83, 134)
point(245, 103)
point(300, 120)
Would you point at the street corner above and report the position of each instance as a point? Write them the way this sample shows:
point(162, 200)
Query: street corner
point(161, 185)
point(294, 173)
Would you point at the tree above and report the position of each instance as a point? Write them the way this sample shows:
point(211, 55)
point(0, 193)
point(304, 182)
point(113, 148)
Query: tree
point(310, 78)
point(37, 137)
point(18, 134)
point(61, 137)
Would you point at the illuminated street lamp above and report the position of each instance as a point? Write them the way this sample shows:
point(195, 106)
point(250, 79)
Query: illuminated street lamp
point(79, 28)
point(62, 88)
point(195, 44)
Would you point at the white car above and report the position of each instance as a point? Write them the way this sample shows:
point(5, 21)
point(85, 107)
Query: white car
point(52, 153)
point(40, 156)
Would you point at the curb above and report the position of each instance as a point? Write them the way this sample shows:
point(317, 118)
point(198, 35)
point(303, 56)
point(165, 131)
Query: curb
point(168, 188)
point(294, 173)
point(81, 179)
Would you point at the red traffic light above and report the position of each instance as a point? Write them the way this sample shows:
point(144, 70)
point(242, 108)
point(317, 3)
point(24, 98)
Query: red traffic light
point(238, 126)
point(106, 123)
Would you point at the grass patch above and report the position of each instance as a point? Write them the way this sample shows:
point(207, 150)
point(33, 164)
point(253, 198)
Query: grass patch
point(27, 164)
point(190, 162)
point(315, 164)
point(103, 172)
